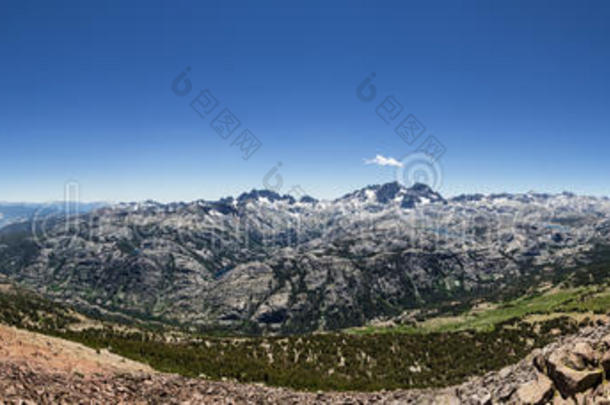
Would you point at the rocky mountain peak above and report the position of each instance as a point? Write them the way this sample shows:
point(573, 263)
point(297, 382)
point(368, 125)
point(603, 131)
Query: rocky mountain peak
point(389, 191)
point(258, 195)
point(394, 193)
point(308, 199)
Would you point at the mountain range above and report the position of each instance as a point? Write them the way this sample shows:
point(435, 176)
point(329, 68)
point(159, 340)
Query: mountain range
point(18, 212)
point(269, 263)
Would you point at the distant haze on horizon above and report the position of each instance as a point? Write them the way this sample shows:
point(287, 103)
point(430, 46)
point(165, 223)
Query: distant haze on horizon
point(511, 97)
point(82, 200)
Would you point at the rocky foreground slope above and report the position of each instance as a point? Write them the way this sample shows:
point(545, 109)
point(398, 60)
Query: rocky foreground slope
point(570, 371)
point(269, 263)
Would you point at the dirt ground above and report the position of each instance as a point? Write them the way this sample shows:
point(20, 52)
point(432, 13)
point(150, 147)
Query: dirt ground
point(58, 355)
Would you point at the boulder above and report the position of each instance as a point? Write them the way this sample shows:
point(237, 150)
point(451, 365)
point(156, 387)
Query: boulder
point(536, 392)
point(586, 352)
point(569, 381)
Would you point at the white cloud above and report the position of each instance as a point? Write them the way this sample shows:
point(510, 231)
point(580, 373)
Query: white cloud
point(383, 161)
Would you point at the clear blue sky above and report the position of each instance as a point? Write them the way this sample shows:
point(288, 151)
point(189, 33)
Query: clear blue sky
point(518, 92)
